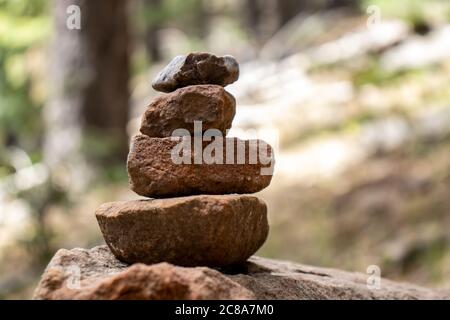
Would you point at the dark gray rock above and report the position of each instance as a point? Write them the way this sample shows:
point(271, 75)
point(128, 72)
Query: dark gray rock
point(197, 68)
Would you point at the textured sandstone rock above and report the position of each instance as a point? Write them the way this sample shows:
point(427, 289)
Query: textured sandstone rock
point(101, 276)
point(189, 231)
point(153, 173)
point(197, 68)
point(104, 277)
point(210, 104)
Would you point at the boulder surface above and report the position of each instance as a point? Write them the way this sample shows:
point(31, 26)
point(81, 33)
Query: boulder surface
point(96, 275)
point(102, 276)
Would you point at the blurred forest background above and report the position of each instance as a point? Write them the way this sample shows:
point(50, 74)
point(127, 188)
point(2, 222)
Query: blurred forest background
point(357, 89)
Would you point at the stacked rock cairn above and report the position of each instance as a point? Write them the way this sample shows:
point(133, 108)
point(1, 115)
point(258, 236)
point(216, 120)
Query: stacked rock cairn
point(198, 179)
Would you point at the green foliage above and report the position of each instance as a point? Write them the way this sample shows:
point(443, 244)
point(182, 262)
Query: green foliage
point(170, 11)
point(24, 25)
point(184, 14)
point(373, 74)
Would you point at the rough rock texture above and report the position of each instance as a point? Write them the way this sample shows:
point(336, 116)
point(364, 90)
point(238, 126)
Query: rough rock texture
point(153, 173)
point(187, 231)
point(197, 68)
point(210, 104)
point(104, 277)
point(100, 276)
point(275, 279)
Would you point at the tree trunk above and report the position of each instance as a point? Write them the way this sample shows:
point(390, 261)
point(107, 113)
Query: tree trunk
point(343, 3)
point(252, 18)
point(288, 9)
point(152, 41)
point(89, 76)
point(260, 18)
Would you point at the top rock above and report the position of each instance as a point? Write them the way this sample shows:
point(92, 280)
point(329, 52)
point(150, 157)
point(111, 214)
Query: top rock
point(197, 68)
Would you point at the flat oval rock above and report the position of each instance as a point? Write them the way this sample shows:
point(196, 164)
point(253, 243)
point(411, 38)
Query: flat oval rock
point(197, 68)
point(210, 104)
point(205, 230)
point(159, 167)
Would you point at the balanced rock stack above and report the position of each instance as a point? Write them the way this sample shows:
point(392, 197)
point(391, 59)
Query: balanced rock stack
point(166, 245)
point(199, 214)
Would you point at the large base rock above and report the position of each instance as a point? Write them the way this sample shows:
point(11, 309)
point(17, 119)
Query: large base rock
point(96, 274)
point(187, 231)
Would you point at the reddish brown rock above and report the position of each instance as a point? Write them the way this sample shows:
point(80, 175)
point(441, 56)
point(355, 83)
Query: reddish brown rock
point(100, 276)
point(210, 104)
point(218, 230)
point(153, 172)
point(104, 277)
point(197, 68)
